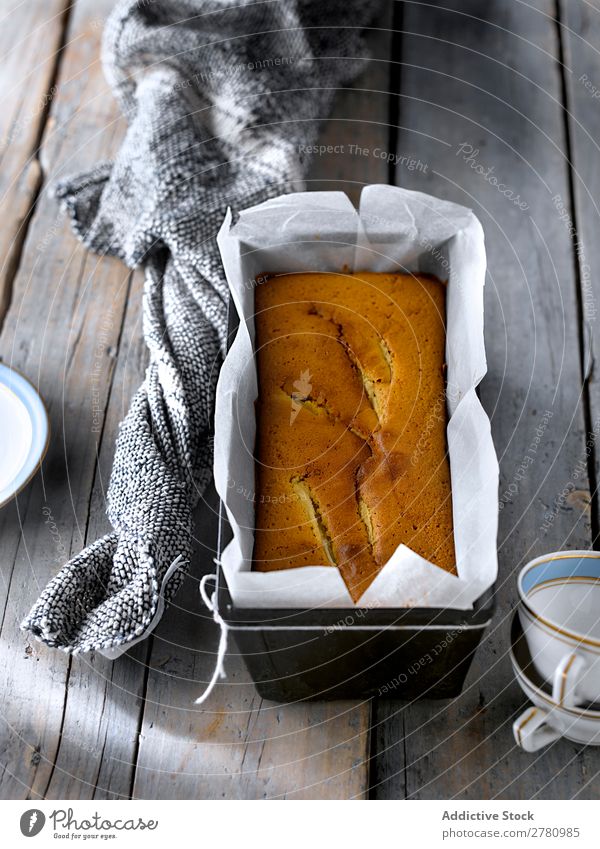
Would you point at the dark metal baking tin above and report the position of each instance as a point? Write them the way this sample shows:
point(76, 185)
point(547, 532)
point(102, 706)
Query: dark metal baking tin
point(350, 653)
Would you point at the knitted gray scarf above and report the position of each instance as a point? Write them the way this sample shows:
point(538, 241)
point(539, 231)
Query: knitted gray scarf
point(221, 97)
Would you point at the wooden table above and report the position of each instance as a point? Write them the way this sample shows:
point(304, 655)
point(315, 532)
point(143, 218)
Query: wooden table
point(452, 99)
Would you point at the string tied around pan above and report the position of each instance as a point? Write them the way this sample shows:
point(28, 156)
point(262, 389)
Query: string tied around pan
point(219, 670)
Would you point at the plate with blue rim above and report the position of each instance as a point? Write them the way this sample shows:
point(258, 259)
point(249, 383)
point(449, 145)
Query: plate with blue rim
point(24, 432)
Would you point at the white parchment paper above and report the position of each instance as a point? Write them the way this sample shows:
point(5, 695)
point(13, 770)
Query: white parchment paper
point(393, 230)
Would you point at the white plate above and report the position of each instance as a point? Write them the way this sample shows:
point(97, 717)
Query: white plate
point(24, 432)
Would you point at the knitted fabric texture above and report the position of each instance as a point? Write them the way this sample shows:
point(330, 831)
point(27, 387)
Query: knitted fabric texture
point(221, 99)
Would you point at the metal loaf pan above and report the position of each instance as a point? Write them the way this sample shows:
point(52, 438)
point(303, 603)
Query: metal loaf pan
point(337, 653)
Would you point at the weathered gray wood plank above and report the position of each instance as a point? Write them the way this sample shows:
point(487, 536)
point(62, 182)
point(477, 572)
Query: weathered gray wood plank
point(64, 725)
point(235, 745)
point(580, 35)
point(99, 734)
point(580, 30)
point(356, 136)
point(487, 76)
point(30, 51)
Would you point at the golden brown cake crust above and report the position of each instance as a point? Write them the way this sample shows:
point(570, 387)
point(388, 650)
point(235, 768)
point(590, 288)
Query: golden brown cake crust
point(351, 453)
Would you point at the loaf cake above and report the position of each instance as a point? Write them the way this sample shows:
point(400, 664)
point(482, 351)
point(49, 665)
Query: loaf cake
point(351, 452)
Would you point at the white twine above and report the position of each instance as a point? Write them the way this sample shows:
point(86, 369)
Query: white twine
point(219, 671)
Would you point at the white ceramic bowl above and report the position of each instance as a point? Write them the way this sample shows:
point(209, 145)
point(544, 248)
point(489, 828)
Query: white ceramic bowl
point(546, 721)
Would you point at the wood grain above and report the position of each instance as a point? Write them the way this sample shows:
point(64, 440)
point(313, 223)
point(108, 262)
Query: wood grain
point(99, 735)
point(62, 331)
point(580, 36)
point(356, 136)
point(487, 76)
point(31, 36)
point(580, 32)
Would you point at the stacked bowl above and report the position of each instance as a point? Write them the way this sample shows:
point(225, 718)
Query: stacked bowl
point(555, 649)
